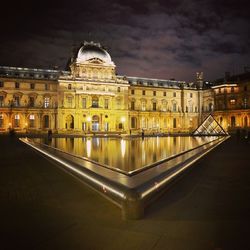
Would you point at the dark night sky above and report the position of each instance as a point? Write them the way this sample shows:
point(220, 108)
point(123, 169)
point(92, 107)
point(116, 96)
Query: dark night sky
point(161, 39)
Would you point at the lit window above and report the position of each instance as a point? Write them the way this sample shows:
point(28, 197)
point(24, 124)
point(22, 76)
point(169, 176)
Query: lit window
point(106, 103)
point(32, 121)
point(232, 101)
point(16, 120)
point(143, 106)
point(16, 101)
point(46, 102)
point(95, 102)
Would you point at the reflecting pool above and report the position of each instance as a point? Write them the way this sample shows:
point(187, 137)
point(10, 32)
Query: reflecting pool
point(126, 154)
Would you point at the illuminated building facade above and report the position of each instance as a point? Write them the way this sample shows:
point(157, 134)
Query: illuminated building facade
point(89, 97)
point(232, 101)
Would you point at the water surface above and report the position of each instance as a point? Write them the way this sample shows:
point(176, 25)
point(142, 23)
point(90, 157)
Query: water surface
point(127, 154)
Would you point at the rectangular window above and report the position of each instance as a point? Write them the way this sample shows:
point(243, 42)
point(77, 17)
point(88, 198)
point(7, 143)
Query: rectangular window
point(174, 107)
point(191, 95)
point(69, 86)
point(46, 102)
point(154, 106)
point(17, 85)
point(154, 93)
point(143, 106)
point(1, 101)
point(232, 89)
point(106, 103)
point(118, 89)
point(164, 93)
point(46, 86)
point(84, 103)
point(174, 94)
point(132, 105)
point(174, 123)
point(16, 101)
point(143, 92)
point(32, 86)
point(32, 101)
point(69, 99)
point(1, 84)
point(132, 91)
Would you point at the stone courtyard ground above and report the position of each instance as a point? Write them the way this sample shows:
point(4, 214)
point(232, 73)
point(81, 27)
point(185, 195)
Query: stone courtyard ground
point(43, 207)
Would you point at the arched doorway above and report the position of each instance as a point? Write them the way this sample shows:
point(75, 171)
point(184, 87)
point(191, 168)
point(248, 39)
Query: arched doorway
point(95, 123)
point(69, 122)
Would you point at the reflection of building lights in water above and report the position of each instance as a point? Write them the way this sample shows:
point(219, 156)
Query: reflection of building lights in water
point(123, 147)
point(88, 147)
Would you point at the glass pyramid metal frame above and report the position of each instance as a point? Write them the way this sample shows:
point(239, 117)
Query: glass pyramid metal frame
point(209, 127)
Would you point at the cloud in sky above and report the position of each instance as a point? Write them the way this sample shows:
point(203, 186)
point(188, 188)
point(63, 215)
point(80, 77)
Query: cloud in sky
point(162, 39)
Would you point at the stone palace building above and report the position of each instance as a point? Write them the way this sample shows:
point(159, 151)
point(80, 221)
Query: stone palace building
point(91, 98)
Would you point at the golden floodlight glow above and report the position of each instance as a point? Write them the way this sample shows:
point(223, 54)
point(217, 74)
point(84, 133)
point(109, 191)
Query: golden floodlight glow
point(123, 119)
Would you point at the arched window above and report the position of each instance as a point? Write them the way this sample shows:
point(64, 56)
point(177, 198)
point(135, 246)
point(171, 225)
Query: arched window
point(69, 122)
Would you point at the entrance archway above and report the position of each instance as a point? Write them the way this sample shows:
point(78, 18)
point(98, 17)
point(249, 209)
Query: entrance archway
point(95, 123)
point(69, 122)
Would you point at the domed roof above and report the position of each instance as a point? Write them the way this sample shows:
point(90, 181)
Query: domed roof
point(93, 50)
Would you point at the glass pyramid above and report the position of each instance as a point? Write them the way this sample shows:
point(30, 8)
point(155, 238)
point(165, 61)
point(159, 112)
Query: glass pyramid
point(209, 127)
